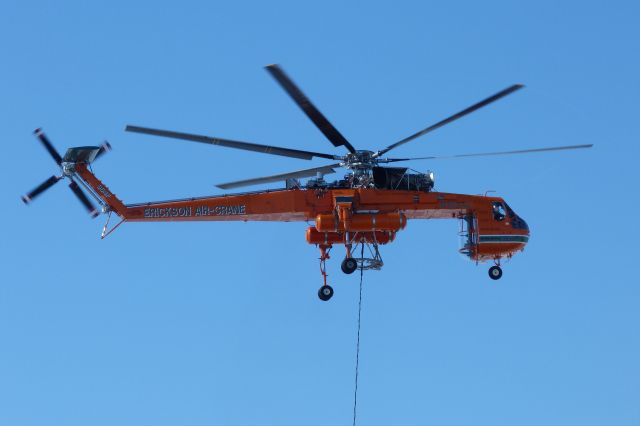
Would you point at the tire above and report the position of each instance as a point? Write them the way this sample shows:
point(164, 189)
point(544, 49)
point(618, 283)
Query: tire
point(325, 293)
point(349, 265)
point(495, 272)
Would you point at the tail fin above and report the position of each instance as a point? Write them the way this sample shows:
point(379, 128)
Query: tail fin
point(86, 154)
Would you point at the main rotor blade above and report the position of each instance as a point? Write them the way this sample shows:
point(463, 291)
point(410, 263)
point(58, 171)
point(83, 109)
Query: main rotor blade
point(93, 211)
point(321, 122)
point(27, 198)
point(266, 149)
point(454, 117)
point(486, 154)
point(48, 145)
point(325, 170)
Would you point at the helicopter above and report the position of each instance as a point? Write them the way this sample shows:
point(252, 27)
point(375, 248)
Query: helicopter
point(366, 208)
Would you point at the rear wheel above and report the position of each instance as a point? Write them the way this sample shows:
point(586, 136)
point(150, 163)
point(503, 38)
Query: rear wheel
point(495, 272)
point(349, 265)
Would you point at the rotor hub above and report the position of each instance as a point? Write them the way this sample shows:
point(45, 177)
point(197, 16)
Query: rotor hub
point(360, 160)
point(68, 169)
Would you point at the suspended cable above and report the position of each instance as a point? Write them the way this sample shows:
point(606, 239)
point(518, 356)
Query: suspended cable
point(355, 392)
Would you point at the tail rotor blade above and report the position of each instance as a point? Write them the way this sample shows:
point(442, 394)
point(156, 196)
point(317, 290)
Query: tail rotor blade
point(27, 198)
point(48, 146)
point(104, 148)
point(93, 211)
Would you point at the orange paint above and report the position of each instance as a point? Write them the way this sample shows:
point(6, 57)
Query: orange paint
point(367, 211)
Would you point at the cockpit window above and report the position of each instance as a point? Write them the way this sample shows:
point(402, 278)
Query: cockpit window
point(509, 211)
point(499, 211)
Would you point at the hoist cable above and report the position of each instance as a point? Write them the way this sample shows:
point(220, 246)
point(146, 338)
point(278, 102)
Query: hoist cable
point(355, 392)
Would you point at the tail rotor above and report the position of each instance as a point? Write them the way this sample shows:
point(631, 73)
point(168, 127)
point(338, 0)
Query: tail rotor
point(48, 145)
point(104, 148)
point(66, 164)
point(93, 211)
point(27, 198)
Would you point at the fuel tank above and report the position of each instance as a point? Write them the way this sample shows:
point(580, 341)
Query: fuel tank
point(362, 222)
point(380, 237)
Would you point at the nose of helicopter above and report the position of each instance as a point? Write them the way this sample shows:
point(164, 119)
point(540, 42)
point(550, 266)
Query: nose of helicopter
point(519, 223)
point(502, 234)
point(521, 232)
point(519, 227)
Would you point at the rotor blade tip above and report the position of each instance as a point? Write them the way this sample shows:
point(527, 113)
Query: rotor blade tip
point(25, 199)
point(37, 131)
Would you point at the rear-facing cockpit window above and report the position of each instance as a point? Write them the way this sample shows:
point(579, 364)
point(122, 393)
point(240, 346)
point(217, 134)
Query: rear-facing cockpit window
point(499, 212)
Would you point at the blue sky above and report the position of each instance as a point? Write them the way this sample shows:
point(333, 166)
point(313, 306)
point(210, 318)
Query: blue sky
point(210, 323)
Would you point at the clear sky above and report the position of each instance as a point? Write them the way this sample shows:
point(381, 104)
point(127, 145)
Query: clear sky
point(219, 323)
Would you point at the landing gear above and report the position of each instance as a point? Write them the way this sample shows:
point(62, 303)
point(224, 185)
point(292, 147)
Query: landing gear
point(349, 265)
point(325, 293)
point(495, 272)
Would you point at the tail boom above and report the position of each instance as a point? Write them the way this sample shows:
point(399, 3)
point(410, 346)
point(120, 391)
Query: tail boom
point(101, 191)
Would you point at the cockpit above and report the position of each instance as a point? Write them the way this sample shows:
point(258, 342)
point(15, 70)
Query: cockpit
point(492, 232)
point(501, 210)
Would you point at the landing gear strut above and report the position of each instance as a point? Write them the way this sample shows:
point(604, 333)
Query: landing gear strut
point(325, 292)
point(495, 272)
point(351, 263)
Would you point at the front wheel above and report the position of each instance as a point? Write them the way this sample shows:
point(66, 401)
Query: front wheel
point(325, 293)
point(495, 272)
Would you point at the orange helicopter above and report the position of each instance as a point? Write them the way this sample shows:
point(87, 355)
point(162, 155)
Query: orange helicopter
point(366, 208)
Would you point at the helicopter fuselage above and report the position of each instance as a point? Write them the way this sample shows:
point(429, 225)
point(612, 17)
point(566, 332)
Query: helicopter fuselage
point(340, 215)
